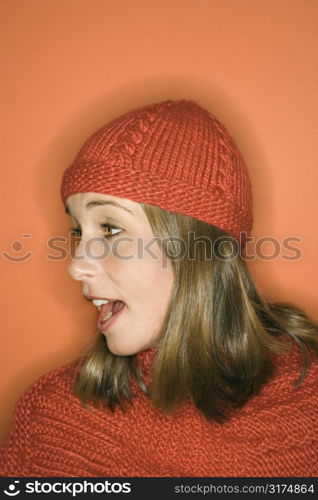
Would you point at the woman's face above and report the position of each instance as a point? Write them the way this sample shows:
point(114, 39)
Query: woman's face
point(118, 258)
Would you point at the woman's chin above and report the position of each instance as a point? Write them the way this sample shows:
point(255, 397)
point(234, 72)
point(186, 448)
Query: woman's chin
point(122, 349)
point(125, 349)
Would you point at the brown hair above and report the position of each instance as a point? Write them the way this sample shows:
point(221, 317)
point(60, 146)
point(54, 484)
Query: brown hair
point(219, 335)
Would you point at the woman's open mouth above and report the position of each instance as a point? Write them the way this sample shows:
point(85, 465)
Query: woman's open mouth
point(109, 312)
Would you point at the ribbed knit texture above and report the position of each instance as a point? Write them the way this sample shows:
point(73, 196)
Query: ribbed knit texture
point(274, 434)
point(173, 154)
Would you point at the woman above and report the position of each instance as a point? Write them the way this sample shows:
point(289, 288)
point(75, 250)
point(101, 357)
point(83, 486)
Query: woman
point(193, 373)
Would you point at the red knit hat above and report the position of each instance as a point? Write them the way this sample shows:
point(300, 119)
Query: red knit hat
point(173, 154)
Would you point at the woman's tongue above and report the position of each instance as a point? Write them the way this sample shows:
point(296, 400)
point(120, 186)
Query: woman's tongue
point(105, 309)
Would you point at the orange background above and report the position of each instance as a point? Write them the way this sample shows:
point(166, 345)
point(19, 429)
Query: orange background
point(70, 66)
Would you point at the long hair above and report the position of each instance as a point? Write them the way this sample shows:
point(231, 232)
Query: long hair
point(219, 338)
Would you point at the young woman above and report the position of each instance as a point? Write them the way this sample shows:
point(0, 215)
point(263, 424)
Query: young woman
point(192, 373)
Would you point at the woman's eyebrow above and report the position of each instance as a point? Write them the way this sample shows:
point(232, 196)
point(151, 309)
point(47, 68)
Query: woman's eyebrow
point(97, 203)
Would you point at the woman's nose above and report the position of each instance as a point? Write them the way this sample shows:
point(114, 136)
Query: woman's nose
point(81, 269)
point(82, 265)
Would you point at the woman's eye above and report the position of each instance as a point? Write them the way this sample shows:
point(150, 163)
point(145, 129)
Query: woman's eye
point(108, 231)
point(75, 232)
point(111, 230)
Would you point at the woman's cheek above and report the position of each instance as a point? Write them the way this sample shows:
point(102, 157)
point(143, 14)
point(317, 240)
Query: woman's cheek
point(123, 248)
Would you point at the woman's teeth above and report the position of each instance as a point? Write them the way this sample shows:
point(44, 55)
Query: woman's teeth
point(99, 302)
point(108, 316)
